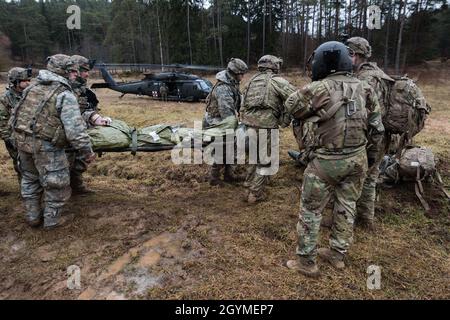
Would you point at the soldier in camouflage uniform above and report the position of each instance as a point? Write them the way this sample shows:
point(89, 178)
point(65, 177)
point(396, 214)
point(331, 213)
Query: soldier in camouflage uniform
point(224, 101)
point(18, 80)
point(361, 51)
point(45, 122)
point(89, 111)
point(347, 114)
point(263, 108)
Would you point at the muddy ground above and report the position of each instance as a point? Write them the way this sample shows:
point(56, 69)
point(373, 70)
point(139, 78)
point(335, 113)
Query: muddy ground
point(154, 230)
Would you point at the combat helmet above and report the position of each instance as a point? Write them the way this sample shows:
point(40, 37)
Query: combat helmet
point(237, 66)
point(61, 64)
point(83, 62)
point(15, 75)
point(270, 62)
point(330, 57)
point(360, 46)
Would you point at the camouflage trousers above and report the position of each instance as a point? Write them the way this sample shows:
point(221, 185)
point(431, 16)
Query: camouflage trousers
point(45, 179)
point(77, 168)
point(365, 206)
point(341, 179)
point(220, 160)
point(14, 154)
point(255, 181)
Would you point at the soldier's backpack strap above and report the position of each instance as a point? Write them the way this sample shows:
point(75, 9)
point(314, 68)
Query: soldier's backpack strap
point(134, 141)
point(441, 184)
point(419, 190)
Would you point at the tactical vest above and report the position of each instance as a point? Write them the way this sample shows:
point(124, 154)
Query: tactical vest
point(257, 93)
point(341, 114)
point(36, 114)
point(212, 106)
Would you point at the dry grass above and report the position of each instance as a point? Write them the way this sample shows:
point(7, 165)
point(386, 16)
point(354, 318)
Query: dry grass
point(244, 247)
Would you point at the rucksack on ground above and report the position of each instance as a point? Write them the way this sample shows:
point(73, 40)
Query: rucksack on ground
point(415, 164)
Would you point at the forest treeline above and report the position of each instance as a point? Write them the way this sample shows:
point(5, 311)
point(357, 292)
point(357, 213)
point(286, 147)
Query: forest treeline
point(210, 32)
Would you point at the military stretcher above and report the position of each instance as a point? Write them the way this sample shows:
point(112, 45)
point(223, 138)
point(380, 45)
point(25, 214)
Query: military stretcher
point(120, 137)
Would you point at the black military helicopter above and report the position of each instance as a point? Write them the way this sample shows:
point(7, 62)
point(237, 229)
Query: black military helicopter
point(180, 86)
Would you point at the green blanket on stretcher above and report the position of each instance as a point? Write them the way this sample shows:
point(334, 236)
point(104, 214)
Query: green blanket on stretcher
point(119, 135)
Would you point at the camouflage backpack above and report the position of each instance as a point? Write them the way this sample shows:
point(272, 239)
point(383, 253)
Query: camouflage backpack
point(406, 110)
point(414, 164)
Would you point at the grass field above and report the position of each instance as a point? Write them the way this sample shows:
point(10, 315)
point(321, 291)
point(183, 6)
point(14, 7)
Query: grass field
point(155, 230)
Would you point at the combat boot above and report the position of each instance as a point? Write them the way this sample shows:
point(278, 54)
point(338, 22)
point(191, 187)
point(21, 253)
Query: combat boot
point(229, 175)
point(33, 214)
point(253, 198)
point(78, 187)
point(365, 224)
point(214, 176)
point(336, 259)
point(53, 218)
point(305, 266)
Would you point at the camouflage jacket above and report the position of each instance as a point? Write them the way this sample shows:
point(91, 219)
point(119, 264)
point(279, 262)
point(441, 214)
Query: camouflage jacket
point(263, 100)
point(87, 100)
point(309, 104)
point(223, 101)
point(7, 103)
point(63, 107)
point(377, 79)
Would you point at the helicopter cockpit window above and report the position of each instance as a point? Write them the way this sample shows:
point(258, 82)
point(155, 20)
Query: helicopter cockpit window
point(203, 84)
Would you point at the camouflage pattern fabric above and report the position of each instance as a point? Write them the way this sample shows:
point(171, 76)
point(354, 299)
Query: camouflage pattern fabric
point(307, 103)
point(263, 108)
point(45, 176)
point(88, 107)
point(7, 103)
point(341, 179)
point(380, 82)
point(263, 100)
point(59, 121)
point(256, 182)
point(44, 164)
point(223, 101)
point(87, 101)
point(340, 164)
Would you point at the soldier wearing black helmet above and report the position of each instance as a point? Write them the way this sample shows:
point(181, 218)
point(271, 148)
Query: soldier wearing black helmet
point(347, 115)
point(222, 104)
point(18, 80)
